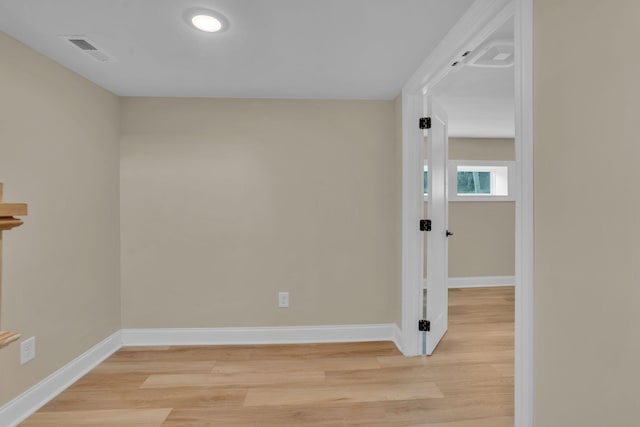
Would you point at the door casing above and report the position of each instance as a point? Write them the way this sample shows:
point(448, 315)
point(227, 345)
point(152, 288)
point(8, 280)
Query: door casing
point(482, 19)
point(437, 298)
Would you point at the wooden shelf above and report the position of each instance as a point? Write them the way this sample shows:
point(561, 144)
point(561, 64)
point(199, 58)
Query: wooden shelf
point(9, 222)
point(8, 212)
point(7, 338)
point(13, 209)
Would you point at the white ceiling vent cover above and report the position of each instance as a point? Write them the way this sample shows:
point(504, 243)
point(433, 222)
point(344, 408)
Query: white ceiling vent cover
point(496, 53)
point(88, 47)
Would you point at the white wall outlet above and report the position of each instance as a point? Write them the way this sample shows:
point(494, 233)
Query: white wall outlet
point(283, 299)
point(27, 350)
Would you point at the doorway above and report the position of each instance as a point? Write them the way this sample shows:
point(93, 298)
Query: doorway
point(469, 176)
point(482, 19)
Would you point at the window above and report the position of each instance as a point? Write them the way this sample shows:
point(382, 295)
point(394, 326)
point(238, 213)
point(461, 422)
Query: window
point(474, 182)
point(483, 180)
point(477, 180)
point(480, 180)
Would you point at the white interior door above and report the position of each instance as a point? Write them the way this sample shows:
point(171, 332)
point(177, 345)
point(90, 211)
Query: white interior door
point(437, 299)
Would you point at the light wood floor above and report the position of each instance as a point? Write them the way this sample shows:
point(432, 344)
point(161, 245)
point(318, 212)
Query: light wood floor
point(467, 383)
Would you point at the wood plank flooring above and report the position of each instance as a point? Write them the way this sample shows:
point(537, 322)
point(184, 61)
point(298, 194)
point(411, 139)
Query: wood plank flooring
point(468, 382)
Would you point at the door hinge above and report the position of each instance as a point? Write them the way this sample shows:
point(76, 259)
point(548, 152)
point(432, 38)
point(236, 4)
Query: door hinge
point(424, 325)
point(425, 122)
point(425, 225)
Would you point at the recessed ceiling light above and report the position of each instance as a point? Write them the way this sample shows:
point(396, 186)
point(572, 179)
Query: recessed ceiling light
point(206, 20)
point(206, 23)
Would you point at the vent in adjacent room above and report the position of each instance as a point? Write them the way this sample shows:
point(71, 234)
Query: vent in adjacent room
point(498, 53)
point(83, 44)
point(89, 47)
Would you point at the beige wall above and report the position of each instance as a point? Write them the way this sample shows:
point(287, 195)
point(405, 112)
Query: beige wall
point(226, 202)
point(59, 153)
point(484, 232)
point(484, 239)
point(587, 213)
point(481, 149)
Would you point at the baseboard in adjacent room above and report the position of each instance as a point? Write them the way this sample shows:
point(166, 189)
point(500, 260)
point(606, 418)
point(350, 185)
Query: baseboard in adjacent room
point(18, 409)
point(481, 282)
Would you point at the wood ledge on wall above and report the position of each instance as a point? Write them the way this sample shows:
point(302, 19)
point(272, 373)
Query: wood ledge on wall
point(8, 212)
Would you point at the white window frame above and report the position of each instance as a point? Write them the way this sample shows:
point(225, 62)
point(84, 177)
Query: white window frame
point(484, 165)
point(488, 164)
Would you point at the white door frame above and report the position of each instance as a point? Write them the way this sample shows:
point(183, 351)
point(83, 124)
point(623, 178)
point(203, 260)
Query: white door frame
point(482, 18)
point(437, 243)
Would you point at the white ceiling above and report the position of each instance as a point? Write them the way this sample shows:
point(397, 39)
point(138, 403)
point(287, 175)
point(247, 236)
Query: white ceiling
point(359, 49)
point(480, 101)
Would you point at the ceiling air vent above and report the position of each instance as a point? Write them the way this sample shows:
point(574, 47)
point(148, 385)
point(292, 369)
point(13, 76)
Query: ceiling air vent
point(496, 53)
point(88, 47)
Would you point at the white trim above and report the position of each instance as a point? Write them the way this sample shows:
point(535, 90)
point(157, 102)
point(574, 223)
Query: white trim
point(436, 304)
point(397, 337)
point(479, 22)
point(18, 409)
point(412, 211)
point(478, 282)
point(481, 282)
point(259, 335)
point(481, 19)
point(524, 317)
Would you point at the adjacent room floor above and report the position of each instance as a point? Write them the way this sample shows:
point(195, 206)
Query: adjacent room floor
point(468, 382)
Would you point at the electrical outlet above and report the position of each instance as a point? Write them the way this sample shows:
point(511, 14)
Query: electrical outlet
point(283, 299)
point(27, 350)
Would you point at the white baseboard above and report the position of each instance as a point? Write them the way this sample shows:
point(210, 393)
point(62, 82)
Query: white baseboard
point(481, 282)
point(18, 409)
point(397, 337)
point(260, 335)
